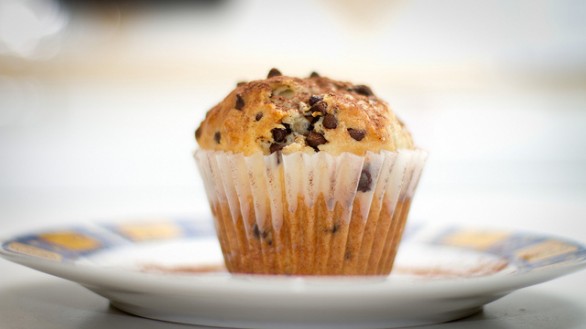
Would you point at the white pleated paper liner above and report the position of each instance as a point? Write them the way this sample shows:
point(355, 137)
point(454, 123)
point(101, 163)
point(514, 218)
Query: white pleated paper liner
point(313, 214)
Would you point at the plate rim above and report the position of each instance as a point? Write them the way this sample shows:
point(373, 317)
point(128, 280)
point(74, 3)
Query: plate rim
point(91, 275)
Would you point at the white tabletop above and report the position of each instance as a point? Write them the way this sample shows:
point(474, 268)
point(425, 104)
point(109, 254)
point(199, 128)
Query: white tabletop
point(30, 299)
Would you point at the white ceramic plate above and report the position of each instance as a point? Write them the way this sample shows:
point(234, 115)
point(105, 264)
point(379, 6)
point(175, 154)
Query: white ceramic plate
point(171, 270)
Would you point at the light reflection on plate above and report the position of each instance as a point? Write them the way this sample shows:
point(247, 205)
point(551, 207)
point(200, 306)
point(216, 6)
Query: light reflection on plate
point(171, 270)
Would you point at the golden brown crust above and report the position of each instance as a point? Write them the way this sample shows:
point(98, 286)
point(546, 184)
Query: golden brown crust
point(290, 114)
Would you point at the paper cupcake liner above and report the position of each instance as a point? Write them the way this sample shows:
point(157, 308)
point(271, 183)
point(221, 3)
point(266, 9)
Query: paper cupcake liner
point(310, 214)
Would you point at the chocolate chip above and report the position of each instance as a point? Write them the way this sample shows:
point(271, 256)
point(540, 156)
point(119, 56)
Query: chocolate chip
point(274, 73)
point(314, 99)
point(258, 116)
point(348, 255)
point(330, 121)
point(362, 90)
point(314, 75)
point(217, 137)
point(239, 102)
point(319, 107)
point(365, 181)
point(267, 236)
point(262, 235)
point(198, 132)
point(287, 127)
point(312, 119)
point(240, 83)
point(276, 147)
point(279, 134)
point(256, 231)
point(315, 139)
point(334, 228)
point(357, 134)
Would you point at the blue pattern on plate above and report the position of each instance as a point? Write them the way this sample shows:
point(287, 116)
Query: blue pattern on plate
point(70, 243)
point(525, 251)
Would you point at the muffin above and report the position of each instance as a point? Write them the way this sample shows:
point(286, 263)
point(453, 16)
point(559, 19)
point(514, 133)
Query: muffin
point(307, 176)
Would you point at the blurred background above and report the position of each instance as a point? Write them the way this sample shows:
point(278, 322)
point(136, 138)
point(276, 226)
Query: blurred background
point(99, 100)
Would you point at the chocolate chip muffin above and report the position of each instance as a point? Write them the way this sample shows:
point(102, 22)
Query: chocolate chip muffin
point(307, 176)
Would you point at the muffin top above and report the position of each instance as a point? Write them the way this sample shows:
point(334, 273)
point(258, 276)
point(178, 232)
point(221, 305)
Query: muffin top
point(313, 114)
